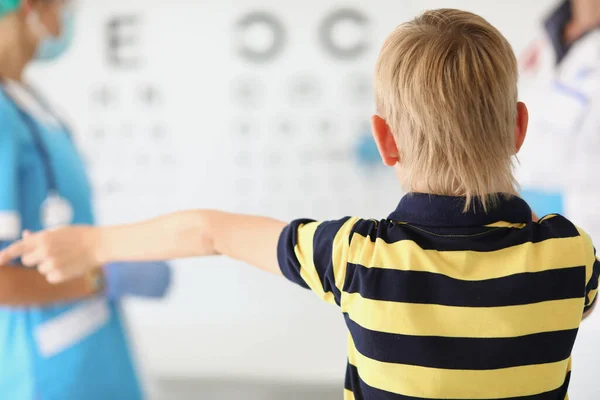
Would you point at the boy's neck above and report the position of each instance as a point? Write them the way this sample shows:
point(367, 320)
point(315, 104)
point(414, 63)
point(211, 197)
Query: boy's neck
point(425, 190)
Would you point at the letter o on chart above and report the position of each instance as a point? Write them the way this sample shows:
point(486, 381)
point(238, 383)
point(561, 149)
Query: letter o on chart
point(350, 44)
point(260, 37)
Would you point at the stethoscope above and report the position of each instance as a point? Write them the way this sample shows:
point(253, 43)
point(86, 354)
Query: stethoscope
point(55, 211)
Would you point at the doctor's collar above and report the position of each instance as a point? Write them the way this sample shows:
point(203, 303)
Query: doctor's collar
point(555, 25)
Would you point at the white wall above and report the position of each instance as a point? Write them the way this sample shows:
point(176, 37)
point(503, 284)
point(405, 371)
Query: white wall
point(222, 318)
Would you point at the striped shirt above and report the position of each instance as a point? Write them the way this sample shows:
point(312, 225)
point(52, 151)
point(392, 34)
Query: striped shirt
point(442, 304)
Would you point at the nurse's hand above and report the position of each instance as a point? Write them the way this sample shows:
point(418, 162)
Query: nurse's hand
point(59, 254)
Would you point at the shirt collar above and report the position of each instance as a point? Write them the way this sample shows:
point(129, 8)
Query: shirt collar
point(555, 25)
point(447, 211)
point(27, 101)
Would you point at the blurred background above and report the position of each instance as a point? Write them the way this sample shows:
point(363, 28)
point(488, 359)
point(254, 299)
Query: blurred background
point(253, 106)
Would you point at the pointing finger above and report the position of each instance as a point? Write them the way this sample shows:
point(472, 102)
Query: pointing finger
point(12, 252)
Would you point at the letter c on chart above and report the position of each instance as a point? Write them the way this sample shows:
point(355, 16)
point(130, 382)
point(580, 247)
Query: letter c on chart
point(330, 23)
point(259, 53)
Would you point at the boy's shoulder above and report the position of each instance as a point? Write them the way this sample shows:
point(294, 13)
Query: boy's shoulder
point(560, 226)
point(552, 226)
point(359, 229)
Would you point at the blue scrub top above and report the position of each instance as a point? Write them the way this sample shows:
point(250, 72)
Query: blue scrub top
point(99, 366)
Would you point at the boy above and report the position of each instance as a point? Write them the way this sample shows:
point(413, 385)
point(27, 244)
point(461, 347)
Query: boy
point(460, 293)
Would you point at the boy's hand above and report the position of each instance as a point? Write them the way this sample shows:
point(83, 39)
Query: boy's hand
point(59, 254)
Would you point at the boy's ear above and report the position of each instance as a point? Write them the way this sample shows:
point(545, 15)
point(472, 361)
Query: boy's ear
point(521, 127)
point(386, 143)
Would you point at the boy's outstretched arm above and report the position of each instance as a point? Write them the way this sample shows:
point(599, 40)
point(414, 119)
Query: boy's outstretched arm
point(64, 253)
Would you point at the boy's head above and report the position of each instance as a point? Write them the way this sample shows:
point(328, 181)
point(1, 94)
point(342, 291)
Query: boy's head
point(448, 116)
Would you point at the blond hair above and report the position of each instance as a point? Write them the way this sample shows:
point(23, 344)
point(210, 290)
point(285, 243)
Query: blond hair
point(446, 84)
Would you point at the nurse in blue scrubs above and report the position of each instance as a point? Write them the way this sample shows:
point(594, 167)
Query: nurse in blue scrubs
point(64, 342)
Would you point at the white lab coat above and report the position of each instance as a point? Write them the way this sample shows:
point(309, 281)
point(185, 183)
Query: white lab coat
point(562, 149)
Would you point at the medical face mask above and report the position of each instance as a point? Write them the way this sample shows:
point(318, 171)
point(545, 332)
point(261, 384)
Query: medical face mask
point(50, 47)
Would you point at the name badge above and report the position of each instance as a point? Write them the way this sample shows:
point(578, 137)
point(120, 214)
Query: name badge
point(72, 327)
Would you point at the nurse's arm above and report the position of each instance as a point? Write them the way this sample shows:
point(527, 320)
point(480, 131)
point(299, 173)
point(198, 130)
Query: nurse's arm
point(22, 287)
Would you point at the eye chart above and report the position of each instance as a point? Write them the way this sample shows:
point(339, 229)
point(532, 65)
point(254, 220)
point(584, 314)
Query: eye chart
point(249, 106)
point(301, 139)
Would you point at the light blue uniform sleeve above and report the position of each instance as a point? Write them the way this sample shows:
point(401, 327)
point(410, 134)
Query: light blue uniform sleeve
point(10, 218)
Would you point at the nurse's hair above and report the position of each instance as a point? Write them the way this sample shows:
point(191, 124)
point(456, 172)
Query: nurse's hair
point(446, 84)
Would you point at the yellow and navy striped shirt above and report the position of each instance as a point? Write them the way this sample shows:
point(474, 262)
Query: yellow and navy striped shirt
point(442, 304)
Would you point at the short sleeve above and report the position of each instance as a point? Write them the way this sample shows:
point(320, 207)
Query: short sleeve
point(10, 219)
point(591, 289)
point(592, 271)
point(314, 255)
